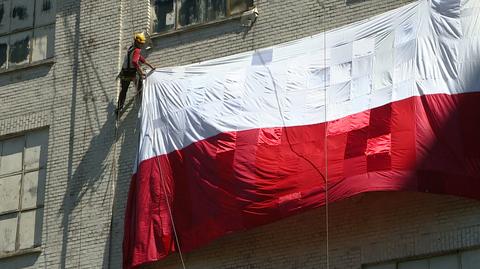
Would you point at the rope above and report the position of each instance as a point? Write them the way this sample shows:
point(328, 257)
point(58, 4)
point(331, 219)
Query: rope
point(162, 179)
point(170, 213)
point(327, 230)
point(325, 175)
point(327, 224)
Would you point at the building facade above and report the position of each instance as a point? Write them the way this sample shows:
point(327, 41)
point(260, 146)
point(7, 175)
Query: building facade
point(65, 162)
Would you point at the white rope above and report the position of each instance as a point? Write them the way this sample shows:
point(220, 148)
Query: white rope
point(327, 242)
point(170, 213)
point(327, 225)
point(167, 202)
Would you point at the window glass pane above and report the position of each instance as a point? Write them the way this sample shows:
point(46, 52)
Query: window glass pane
point(21, 14)
point(44, 12)
point(33, 189)
point(43, 43)
point(162, 15)
point(444, 262)
point(471, 259)
point(4, 16)
point(3, 52)
point(9, 192)
point(19, 49)
point(11, 159)
point(420, 264)
point(198, 11)
point(216, 9)
point(30, 228)
point(36, 149)
point(8, 232)
point(191, 12)
point(238, 6)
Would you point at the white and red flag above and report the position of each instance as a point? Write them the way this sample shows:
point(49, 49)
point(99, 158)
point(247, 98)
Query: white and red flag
point(387, 104)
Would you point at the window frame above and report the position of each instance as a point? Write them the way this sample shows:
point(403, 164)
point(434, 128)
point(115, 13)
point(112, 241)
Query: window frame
point(177, 28)
point(31, 30)
point(40, 202)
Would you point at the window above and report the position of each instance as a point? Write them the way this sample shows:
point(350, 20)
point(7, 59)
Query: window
point(27, 29)
point(350, 2)
point(177, 14)
point(468, 259)
point(22, 182)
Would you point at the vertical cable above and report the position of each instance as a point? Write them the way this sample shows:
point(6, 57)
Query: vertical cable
point(170, 213)
point(162, 179)
point(325, 138)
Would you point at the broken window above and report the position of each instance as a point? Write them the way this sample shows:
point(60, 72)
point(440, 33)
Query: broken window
point(3, 52)
point(175, 14)
point(199, 11)
point(23, 162)
point(163, 15)
point(26, 31)
point(21, 14)
point(19, 48)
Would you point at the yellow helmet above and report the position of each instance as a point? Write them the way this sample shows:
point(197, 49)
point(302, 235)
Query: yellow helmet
point(140, 38)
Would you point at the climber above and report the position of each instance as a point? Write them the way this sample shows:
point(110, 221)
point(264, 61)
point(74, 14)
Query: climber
point(131, 69)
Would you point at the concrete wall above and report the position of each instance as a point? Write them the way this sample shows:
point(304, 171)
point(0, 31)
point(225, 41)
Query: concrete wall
point(88, 173)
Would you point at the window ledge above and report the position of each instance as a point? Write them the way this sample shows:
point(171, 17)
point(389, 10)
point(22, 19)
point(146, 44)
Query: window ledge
point(21, 252)
point(196, 26)
point(49, 61)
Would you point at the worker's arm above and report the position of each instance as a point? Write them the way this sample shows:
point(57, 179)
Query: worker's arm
point(149, 65)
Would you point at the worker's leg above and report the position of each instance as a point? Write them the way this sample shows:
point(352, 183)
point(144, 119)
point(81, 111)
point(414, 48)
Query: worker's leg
point(123, 93)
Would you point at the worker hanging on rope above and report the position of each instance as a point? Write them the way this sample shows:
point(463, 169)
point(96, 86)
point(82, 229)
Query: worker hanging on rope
point(131, 69)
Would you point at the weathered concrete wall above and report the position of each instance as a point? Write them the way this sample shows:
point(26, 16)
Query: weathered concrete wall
point(88, 174)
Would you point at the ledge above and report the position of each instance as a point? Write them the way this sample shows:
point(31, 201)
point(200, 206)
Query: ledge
point(20, 252)
point(194, 27)
point(49, 61)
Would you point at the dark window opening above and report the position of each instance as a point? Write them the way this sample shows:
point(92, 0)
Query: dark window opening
point(20, 50)
point(46, 5)
point(351, 2)
point(3, 55)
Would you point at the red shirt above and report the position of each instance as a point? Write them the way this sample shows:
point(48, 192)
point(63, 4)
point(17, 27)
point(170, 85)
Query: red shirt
point(137, 57)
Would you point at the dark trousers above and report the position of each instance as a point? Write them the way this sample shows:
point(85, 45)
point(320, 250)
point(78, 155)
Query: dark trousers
point(125, 83)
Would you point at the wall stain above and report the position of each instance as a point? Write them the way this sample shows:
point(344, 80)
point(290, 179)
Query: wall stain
point(2, 11)
point(20, 12)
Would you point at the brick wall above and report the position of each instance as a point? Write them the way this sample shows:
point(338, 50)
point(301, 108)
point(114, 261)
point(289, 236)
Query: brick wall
point(365, 229)
point(90, 161)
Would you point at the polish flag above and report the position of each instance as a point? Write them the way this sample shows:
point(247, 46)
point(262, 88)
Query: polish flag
point(387, 104)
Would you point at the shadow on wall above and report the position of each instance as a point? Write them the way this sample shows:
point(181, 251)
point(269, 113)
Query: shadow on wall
point(127, 137)
point(22, 261)
point(22, 75)
point(92, 136)
point(98, 169)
